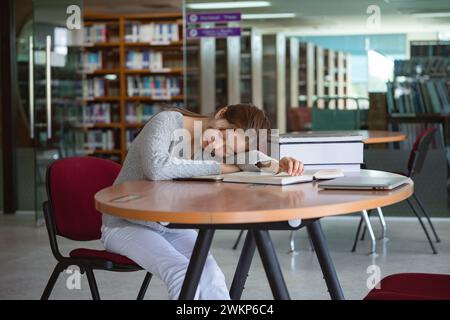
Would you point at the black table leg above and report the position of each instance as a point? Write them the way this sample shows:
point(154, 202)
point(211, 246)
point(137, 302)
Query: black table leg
point(271, 265)
point(243, 267)
point(196, 264)
point(326, 264)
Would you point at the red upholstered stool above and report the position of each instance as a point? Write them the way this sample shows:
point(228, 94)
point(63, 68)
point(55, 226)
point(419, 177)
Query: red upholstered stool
point(412, 286)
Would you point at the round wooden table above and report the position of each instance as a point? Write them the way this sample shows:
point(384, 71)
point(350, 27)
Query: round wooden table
point(209, 206)
point(379, 136)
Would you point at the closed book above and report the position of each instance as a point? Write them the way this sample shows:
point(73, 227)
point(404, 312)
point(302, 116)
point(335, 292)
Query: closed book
point(318, 136)
point(390, 98)
point(435, 103)
point(444, 96)
point(316, 153)
point(344, 167)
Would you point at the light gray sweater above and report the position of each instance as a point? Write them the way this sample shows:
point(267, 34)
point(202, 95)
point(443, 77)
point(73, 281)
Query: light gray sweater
point(151, 156)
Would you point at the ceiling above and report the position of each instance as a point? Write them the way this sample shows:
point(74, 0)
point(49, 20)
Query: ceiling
point(314, 16)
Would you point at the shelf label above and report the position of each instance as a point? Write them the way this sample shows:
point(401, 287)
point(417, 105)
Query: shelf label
point(213, 17)
point(219, 32)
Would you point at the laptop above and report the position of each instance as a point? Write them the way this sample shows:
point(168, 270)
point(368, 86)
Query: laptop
point(364, 183)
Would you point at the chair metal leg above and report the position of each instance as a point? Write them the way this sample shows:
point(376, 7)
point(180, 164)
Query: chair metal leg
point(355, 243)
point(292, 250)
point(236, 243)
point(419, 202)
point(383, 223)
point(363, 236)
point(144, 286)
point(373, 245)
point(92, 283)
point(51, 282)
point(423, 226)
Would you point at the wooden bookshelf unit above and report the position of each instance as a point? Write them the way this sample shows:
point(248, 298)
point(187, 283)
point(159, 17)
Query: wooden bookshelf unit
point(133, 63)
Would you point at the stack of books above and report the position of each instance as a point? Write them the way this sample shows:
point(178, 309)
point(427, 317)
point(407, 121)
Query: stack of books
point(101, 113)
point(419, 96)
point(321, 150)
point(157, 87)
point(146, 59)
point(100, 139)
point(92, 61)
point(435, 66)
point(140, 112)
point(151, 32)
point(95, 87)
point(95, 33)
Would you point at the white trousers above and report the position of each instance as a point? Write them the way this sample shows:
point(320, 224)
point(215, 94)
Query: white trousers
point(166, 255)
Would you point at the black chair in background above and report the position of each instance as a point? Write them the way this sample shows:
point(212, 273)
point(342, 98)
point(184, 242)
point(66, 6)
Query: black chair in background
point(416, 160)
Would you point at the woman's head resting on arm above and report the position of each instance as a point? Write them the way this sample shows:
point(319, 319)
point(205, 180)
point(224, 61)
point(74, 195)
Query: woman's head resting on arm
point(236, 129)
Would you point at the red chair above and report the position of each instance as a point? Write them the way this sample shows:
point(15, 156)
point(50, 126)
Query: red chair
point(412, 286)
point(300, 118)
point(70, 213)
point(416, 160)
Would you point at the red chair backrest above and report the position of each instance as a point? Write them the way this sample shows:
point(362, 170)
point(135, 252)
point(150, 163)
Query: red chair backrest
point(71, 186)
point(299, 118)
point(419, 150)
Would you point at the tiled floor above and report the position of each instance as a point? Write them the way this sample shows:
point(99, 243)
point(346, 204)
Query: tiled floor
point(26, 261)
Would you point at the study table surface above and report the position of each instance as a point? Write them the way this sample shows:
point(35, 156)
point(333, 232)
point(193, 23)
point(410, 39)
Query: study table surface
point(379, 136)
point(373, 136)
point(221, 203)
point(209, 206)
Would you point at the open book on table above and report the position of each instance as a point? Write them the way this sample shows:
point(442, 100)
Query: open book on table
point(280, 179)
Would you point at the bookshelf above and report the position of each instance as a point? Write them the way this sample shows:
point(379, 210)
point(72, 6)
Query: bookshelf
point(314, 72)
point(132, 63)
point(274, 79)
point(221, 71)
point(418, 97)
point(330, 79)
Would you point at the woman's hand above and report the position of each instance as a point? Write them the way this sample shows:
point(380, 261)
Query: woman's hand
point(229, 168)
point(292, 166)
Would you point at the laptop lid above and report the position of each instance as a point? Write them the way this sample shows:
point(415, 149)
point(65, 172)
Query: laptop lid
point(370, 183)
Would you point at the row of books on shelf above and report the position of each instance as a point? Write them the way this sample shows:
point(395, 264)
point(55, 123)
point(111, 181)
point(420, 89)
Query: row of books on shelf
point(419, 96)
point(146, 59)
point(95, 33)
point(153, 86)
point(92, 61)
point(101, 113)
point(136, 31)
point(422, 66)
point(98, 87)
point(100, 139)
point(140, 112)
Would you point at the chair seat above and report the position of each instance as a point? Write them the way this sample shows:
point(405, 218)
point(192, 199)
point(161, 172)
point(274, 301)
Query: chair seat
point(82, 253)
point(412, 286)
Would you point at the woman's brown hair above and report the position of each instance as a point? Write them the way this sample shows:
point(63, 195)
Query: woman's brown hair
point(245, 116)
point(242, 115)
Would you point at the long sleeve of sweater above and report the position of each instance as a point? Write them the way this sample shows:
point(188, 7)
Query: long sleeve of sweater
point(155, 149)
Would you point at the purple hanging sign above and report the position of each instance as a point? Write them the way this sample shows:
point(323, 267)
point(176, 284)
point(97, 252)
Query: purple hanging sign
point(219, 32)
point(213, 17)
